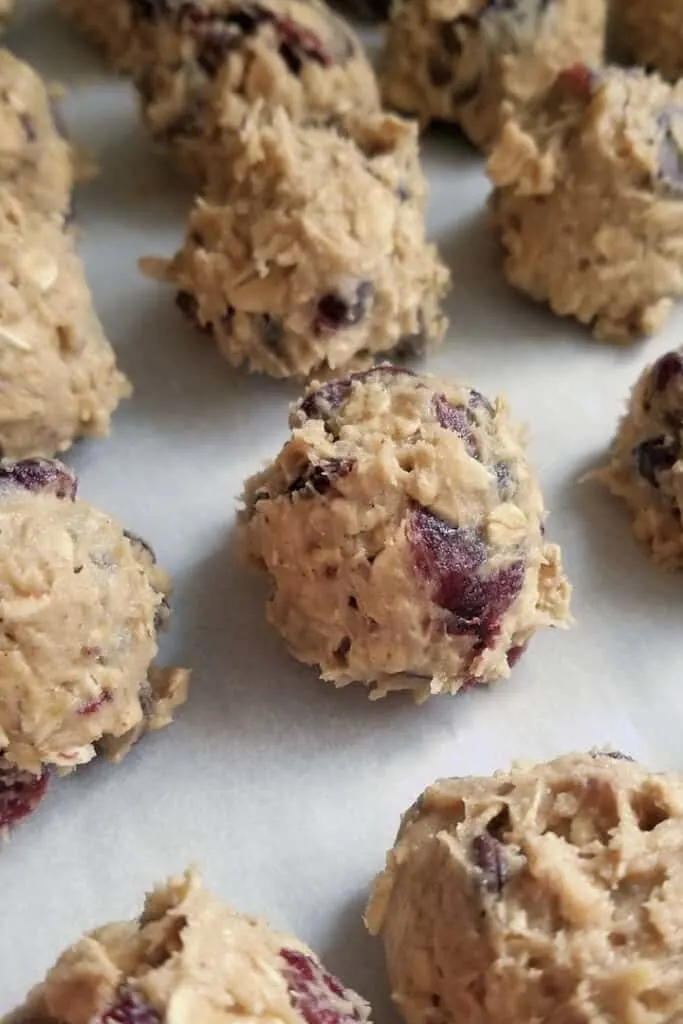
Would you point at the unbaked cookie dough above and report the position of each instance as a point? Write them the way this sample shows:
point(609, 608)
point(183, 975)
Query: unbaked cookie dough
point(82, 601)
point(550, 893)
point(650, 33)
point(465, 60)
point(120, 29)
point(588, 200)
point(316, 255)
point(58, 373)
point(402, 530)
point(214, 60)
point(645, 467)
point(190, 959)
point(36, 162)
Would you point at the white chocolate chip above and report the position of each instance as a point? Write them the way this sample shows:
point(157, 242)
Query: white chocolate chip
point(41, 268)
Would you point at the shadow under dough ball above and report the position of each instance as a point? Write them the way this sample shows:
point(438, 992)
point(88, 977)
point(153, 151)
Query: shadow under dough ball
point(82, 602)
point(188, 957)
point(648, 32)
point(548, 893)
point(588, 200)
point(402, 530)
point(472, 62)
point(213, 60)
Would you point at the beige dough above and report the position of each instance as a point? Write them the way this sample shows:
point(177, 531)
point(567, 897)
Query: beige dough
point(461, 60)
point(36, 162)
point(213, 61)
point(650, 32)
point(120, 29)
point(81, 605)
point(402, 529)
point(58, 372)
point(588, 200)
point(316, 255)
point(645, 467)
point(550, 894)
point(189, 959)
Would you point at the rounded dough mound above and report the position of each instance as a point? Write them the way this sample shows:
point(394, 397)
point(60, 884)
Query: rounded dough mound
point(120, 29)
point(402, 529)
point(551, 893)
point(36, 163)
point(214, 60)
point(588, 200)
point(190, 958)
point(316, 256)
point(81, 604)
point(57, 370)
point(464, 60)
point(648, 32)
point(645, 467)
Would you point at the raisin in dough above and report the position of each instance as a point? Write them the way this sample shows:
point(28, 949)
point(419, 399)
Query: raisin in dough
point(213, 60)
point(58, 372)
point(467, 61)
point(316, 255)
point(81, 601)
point(402, 529)
point(36, 162)
point(645, 467)
point(550, 893)
point(650, 33)
point(588, 200)
point(190, 959)
point(120, 29)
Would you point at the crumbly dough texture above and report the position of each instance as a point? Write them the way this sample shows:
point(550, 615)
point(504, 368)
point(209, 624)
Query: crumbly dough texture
point(212, 61)
point(588, 200)
point(120, 29)
point(645, 467)
point(36, 162)
point(189, 959)
point(473, 62)
point(57, 370)
point(81, 603)
point(649, 33)
point(402, 529)
point(550, 893)
point(316, 256)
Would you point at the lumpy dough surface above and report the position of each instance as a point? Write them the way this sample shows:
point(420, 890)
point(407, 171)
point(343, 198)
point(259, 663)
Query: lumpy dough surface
point(552, 894)
point(645, 467)
point(120, 29)
point(57, 370)
point(35, 160)
point(213, 60)
point(81, 603)
point(650, 33)
point(588, 200)
point(402, 529)
point(190, 959)
point(316, 256)
point(468, 61)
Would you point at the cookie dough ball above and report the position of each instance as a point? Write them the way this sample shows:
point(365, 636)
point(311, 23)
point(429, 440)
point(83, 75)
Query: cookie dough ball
point(316, 255)
point(468, 61)
point(648, 32)
point(645, 467)
point(190, 958)
point(588, 200)
point(36, 162)
point(215, 59)
point(402, 529)
point(120, 29)
point(58, 373)
point(565, 882)
point(82, 601)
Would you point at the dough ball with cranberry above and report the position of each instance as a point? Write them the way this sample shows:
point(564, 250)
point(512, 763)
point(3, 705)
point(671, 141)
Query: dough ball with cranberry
point(315, 257)
point(403, 532)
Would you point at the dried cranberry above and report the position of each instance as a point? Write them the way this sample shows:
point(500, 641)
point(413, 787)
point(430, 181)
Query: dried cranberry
point(488, 853)
point(20, 793)
point(91, 706)
point(345, 307)
point(319, 479)
point(578, 81)
point(48, 476)
point(316, 994)
point(654, 456)
point(129, 1008)
point(515, 653)
point(324, 401)
point(298, 44)
point(666, 369)
point(456, 418)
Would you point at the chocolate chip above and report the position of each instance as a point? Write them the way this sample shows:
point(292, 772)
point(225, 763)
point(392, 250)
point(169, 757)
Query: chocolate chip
point(345, 307)
point(488, 854)
point(655, 456)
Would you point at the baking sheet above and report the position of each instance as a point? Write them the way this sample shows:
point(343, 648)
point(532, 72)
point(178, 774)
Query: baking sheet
point(285, 791)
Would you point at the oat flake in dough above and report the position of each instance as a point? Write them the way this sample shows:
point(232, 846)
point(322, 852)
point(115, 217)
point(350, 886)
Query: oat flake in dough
point(551, 893)
point(190, 959)
point(402, 530)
